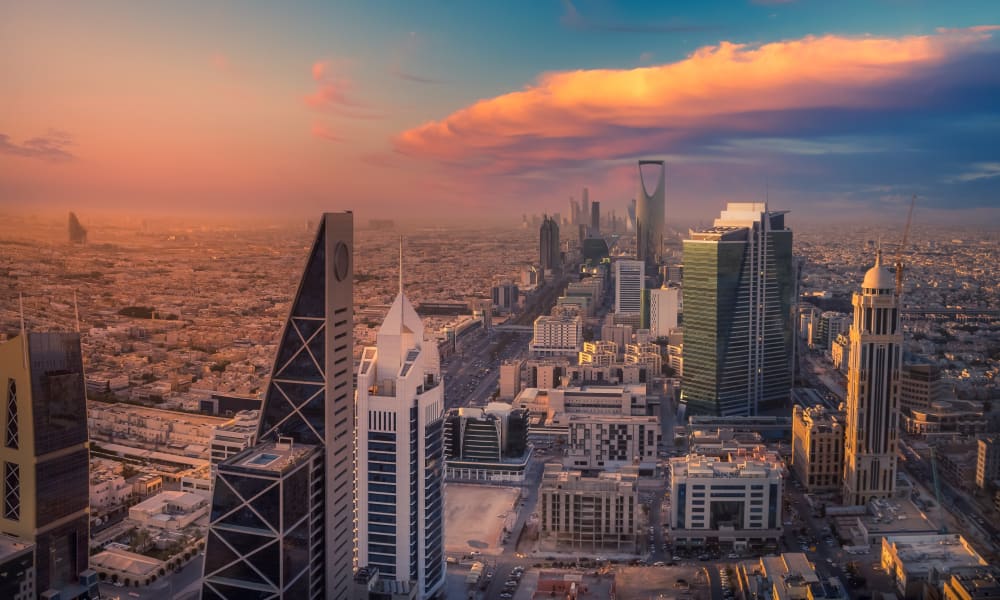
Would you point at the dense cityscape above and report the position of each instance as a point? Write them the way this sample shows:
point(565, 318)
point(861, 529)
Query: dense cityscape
point(574, 300)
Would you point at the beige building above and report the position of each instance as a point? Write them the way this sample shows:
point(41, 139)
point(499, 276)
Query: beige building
point(919, 561)
point(987, 461)
point(919, 386)
point(610, 442)
point(840, 352)
point(170, 510)
point(588, 513)
point(949, 419)
point(599, 353)
point(557, 335)
point(589, 399)
point(647, 354)
point(818, 447)
point(510, 379)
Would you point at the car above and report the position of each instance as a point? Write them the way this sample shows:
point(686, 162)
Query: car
point(506, 595)
point(659, 563)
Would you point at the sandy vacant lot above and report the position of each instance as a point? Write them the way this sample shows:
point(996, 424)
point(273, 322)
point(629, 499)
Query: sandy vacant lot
point(474, 515)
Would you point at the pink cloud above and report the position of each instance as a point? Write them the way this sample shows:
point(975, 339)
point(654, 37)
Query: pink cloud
point(741, 88)
point(334, 92)
point(322, 131)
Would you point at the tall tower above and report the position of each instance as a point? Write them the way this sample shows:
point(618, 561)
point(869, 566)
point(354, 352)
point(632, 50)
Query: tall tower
point(44, 456)
point(649, 216)
point(873, 388)
point(629, 278)
point(282, 521)
point(595, 219)
point(548, 245)
point(400, 495)
point(737, 295)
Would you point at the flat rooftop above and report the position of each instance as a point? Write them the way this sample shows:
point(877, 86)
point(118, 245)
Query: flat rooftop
point(943, 552)
point(272, 456)
point(10, 546)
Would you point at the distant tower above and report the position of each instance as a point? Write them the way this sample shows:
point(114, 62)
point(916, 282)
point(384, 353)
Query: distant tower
point(44, 457)
point(873, 389)
point(282, 522)
point(548, 245)
point(595, 219)
point(630, 219)
point(77, 232)
point(585, 208)
point(399, 453)
point(649, 216)
point(629, 279)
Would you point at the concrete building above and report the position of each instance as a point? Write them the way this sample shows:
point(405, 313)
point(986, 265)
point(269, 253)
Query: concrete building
point(588, 513)
point(987, 461)
point(486, 444)
point(840, 353)
point(647, 355)
point(234, 437)
point(664, 307)
point(738, 296)
point(621, 335)
point(630, 276)
point(510, 379)
point(17, 569)
point(590, 399)
point(599, 353)
point(873, 389)
point(916, 561)
point(788, 576)
point(735, 503)
point(45, 457)
point(400, 454)
point(291, 494)
point(649, 215)
point(608, 442)
point(920, 385)
point(171, 511)
point(557, 335)
point(818, 447)
point(505, 296)
point(978, 584)
point(953, 419)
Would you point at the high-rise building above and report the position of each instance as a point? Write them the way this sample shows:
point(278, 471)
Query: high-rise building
point(400, 454)
point(738, 295)
point(987, 461)
point(548, 245)
point(873, 389)
point(664, 305)
point(630, 218)
point(629, 278)
point(595, 219)
point(45, 457)
point(505, 296)
point(649, 215)
point(557, 335)
point(282, 520)
point(818, 447)
point(510, 379)
point(584, 207)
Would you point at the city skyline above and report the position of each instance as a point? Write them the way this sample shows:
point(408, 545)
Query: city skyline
point(217, 126)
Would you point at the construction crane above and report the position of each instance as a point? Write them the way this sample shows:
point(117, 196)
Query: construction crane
point(899, 251)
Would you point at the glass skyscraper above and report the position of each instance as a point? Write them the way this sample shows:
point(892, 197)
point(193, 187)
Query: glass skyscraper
point(282, 521)
point(738, 295)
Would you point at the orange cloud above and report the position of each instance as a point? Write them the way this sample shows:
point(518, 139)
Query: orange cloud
point(320, 130)
point(334, 93)
point(740, 88)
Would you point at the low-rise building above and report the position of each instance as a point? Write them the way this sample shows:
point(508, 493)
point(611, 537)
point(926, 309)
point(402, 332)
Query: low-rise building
point(120, 565)
point(234, 437)
point(609, 442)
point(920, 385)
point(977, 584)
point(788, 576)
point(734, 502)
point(646, 354)
point(588, 513)
point(599, 353)
point(590, 399)
point(953, 419)
point(916, 561)
point(818, 447)
point(170, 510)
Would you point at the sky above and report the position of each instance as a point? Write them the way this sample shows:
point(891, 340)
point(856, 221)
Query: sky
point(448, 109)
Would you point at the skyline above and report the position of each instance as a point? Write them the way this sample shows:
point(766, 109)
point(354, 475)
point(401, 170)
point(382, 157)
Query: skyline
point(467, 111)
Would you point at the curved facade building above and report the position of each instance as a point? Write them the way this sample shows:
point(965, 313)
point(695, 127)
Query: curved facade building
point(649, 215)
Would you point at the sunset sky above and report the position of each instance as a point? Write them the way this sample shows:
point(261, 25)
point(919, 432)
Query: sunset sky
point(473, 108)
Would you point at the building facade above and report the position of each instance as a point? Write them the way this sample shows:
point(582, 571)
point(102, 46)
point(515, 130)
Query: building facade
point(664, 306)
point(738, 293)
point(873, 389)
point(45, 456)
point(920, 385)
point(282, 517)
point(557, 335)
point(400, 454)
point(608, 442)
point(818, 448)
point(987, 461)
point(588, 513)
point(629, 278)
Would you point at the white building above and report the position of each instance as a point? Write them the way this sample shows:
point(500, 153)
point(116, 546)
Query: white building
point(625, 400)
point(591, 513)
point(629, 278)
point(557, 335)
point(400, 410)
point(610, 442)
point(664, 306)
point(170, 510)
point(733, 502)
point(234, 437)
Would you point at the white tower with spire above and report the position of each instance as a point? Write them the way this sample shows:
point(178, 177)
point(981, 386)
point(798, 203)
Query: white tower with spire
point(400, 461)
point(873, 389)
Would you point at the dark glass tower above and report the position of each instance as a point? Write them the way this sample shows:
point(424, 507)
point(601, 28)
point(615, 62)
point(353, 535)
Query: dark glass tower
point(548, 245)
point(738, 294)
point(45, 456)
point(282, 522)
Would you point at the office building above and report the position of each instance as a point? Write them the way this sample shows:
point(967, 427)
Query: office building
point(629, 278)
point(664, 307)
point(510, 379)
point(735, 502)
point(505, 296)
point(818, 448)
point(233, 438)
point(486, 444)
point(557, 335)
point(920, 385)
point(738, 296)
point(649, 217)
point(588, 513)
point(987, 461)
point(873, 389)
point(282, 517)
point(400, 454)
point(17, 569)
point(610, 442)
point(916, 562)
point(45, 457)
point(548, 246)
point(980, 583)
point(595, 219)
point(627, 399)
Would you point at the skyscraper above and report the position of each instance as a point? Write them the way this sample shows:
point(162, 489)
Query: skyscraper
point(548, 245)
point(649, 216)
point(282, 521)
point(595, 219)
point(45, 457)
point(873, 388)
point(585, 206)
point(737, 294)
point(629, 278)
point(400, 445)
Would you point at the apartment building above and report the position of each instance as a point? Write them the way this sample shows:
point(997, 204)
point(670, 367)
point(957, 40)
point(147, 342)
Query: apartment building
point(818, 447)
point(557, 335)
point(588, 513)
point(609, 442)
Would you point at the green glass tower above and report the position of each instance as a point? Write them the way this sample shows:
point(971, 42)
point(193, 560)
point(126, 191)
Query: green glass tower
point(738, 294)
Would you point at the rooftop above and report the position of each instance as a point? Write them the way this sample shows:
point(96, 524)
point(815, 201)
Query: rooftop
point(10, 546)
point(272, 456)
point(942, 552)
